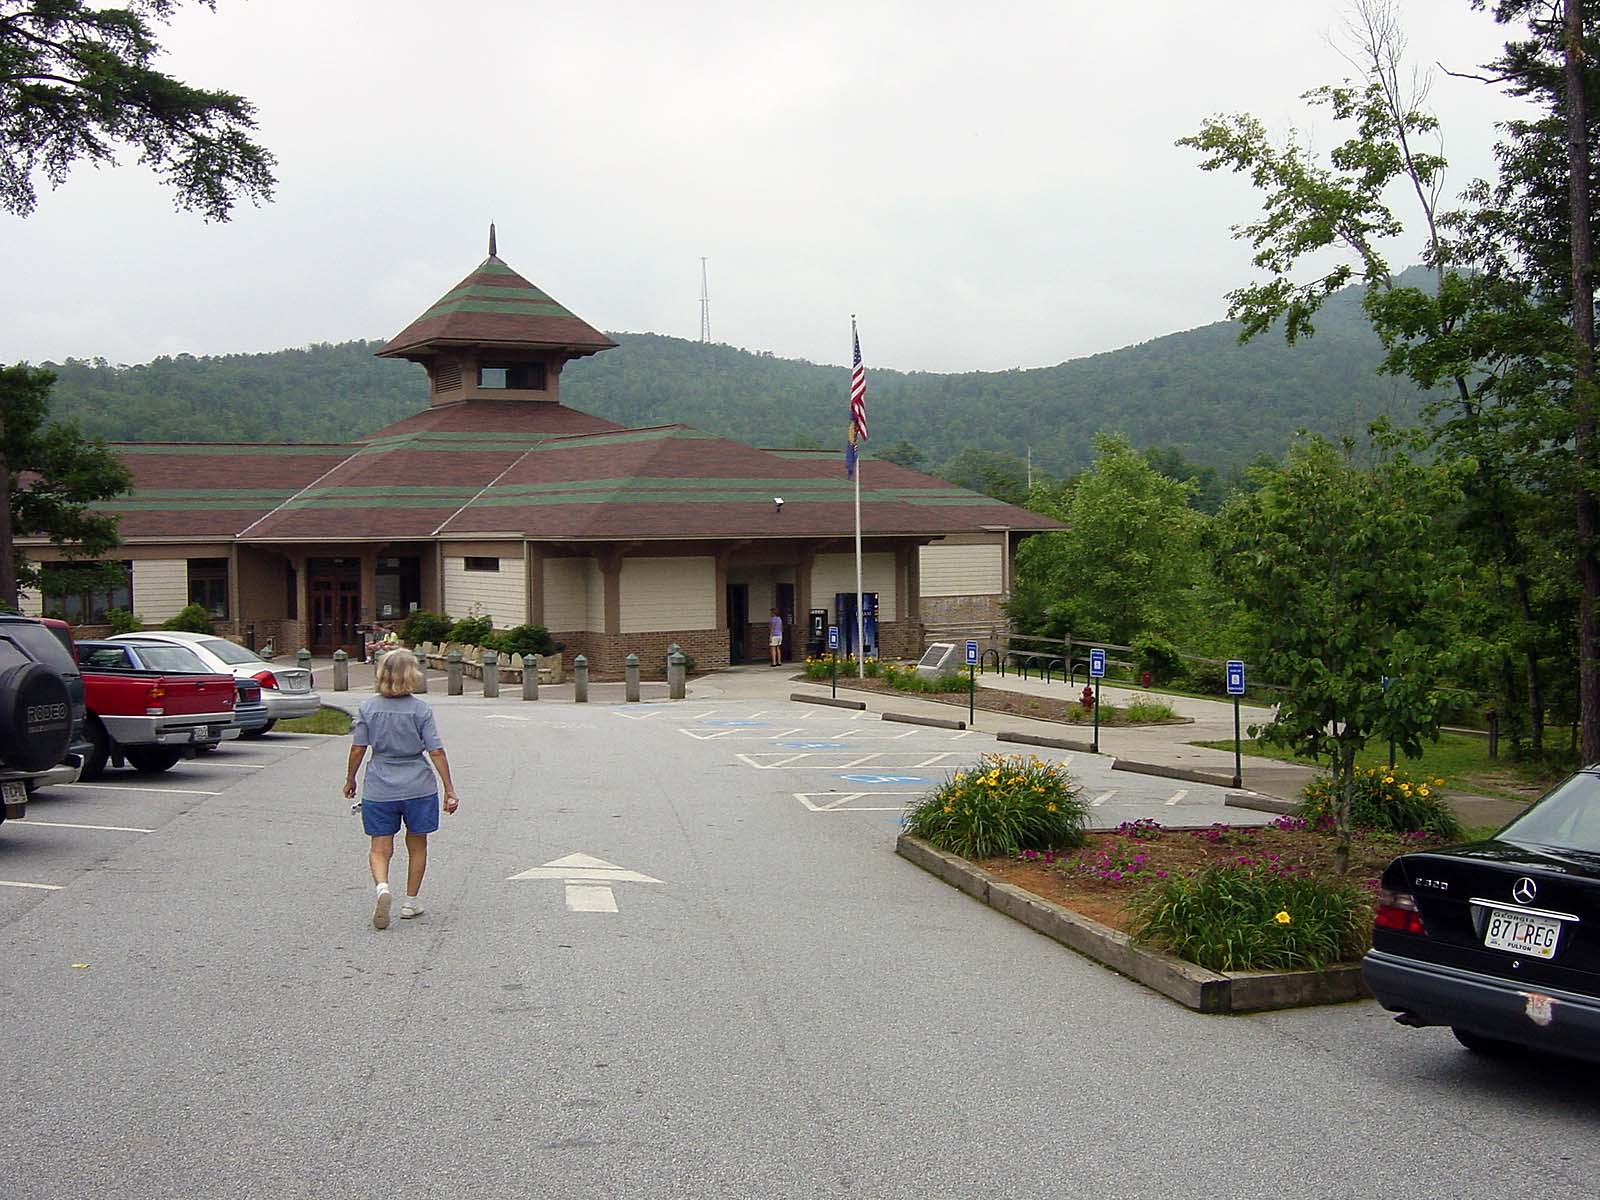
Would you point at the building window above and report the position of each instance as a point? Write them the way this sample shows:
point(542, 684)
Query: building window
point(83, 593)
point(208, 585)
point(482, 564)
point(527, 377)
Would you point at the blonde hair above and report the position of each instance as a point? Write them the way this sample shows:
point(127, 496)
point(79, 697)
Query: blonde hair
point(398, 674)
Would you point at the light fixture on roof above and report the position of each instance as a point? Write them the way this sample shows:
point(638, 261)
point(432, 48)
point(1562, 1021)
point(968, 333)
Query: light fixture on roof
point(777, 504)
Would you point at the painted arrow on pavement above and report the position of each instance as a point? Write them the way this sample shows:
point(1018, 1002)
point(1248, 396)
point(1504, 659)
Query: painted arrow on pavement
point(588, 880)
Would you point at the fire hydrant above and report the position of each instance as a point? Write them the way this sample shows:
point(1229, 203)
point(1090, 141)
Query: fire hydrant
point(1087, 699)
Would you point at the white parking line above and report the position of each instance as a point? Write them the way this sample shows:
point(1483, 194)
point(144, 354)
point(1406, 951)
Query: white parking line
point(1177, 797)
point(27, 821)
point(120, 787)
point(838, 800)
point(211, 762)
point(1102, 798)
point(43, 887)
point(928, 762)
point(856, 762)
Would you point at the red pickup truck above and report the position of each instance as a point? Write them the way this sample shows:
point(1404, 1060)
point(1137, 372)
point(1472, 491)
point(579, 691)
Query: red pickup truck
point(151, 719)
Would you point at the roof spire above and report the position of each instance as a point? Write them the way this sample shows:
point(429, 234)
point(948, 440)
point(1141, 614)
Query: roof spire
point(492, 253)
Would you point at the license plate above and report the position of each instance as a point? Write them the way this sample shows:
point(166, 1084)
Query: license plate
point(1521, 933)
point(13, 791)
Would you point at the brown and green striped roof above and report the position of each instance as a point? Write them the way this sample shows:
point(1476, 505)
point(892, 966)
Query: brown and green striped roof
point(496, 306)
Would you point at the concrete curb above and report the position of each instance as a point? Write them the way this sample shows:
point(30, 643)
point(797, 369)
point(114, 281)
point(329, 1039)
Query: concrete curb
point(1034, 739)
point(1192, 986)
point(830, 701)
point(913, 719)
point(1165, 772)
point(1250, 800)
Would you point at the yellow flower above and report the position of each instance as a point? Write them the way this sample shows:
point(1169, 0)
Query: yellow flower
point(1423, 790)
point(949, 808)
point(1438, 783)
point(1388, 778)
point(1406, 788)
point(1039, 790)
point(1283, 918)
point(1051, 807)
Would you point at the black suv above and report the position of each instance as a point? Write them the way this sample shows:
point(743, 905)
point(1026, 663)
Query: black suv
point(41, 710)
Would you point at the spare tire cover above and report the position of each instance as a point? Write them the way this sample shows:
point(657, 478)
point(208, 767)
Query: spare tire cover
point(35, 717)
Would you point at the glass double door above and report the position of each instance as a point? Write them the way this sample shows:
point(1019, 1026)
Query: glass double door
point(335, 612)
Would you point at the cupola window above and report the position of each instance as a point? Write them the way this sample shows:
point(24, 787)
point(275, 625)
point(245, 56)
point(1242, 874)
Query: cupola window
point(527, 377)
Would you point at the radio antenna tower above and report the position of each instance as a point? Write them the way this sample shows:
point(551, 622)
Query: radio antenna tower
point(705, 305)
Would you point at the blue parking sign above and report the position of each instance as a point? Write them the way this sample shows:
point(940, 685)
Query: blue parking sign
point(1097, 664)
point(833, 637)
point(1235, 677)
point(972, 654)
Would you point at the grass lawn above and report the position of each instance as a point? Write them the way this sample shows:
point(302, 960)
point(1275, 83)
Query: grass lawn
point(325, 720)
point(1460, 759)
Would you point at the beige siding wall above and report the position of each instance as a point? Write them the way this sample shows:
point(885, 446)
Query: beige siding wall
point(837, 573)
point(961, 570)
point(496, 594)
point(594, 591)
point(567, 583)
point(30, 603)
point(668, 594)
point(160, 588)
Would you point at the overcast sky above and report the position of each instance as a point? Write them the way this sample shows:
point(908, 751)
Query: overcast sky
point(986, 186)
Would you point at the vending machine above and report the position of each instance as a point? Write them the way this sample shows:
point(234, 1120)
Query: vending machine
point(844, 607)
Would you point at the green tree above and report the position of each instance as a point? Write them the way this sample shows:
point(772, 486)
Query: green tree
point(1344, 576)
point(1129, 557)
point(997, 473)
point(76, 83)
point(49, 479)
point(904, 453)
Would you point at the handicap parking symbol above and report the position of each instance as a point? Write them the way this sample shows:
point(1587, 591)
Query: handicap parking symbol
point(885, 779)
point(815, 745)
point(738, 724)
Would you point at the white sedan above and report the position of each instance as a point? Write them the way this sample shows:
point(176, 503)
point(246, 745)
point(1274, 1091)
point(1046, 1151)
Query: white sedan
point(286, 691)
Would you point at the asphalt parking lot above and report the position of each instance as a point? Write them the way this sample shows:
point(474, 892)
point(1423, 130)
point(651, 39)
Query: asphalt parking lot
point(771, 1004)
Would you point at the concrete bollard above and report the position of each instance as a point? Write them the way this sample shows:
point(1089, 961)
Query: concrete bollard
point(341, 671)
point(630, 677)
point(452, 671)
point(302, 658)
point(530, 676)
point(672, 649)
point(677, 670)
point(580, 680)
point(491, 673)
point(422, 673)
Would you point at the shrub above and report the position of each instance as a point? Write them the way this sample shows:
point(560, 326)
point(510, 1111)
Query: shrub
point(1153, 653)
point(471, 631)
point(906, 679)
point(1385, 800)
point(424, 626)
point(191, 618)
point(524, 639)
point(122, 621)
point(1002, 806)
point(1143, 709)
point(1232, 918)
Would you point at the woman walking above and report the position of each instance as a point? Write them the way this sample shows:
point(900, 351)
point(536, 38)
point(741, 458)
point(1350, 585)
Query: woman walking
point(399, 785)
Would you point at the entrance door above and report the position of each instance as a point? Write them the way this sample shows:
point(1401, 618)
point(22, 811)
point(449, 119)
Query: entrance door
point(335, 611)
point(784, 598)
point(738, 620)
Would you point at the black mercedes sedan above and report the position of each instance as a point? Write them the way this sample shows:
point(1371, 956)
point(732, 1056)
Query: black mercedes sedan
point(1500, 940)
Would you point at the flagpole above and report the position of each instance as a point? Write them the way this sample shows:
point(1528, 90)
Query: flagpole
point(861, 619)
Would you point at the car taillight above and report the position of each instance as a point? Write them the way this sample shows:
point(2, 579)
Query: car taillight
point(1397, 911)
point(155, 700)
point(250, 695)
point(266, 679)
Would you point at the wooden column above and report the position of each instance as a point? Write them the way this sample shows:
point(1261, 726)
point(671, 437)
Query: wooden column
point(369, 586)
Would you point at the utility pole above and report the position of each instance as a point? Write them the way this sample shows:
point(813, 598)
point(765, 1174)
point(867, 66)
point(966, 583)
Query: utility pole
point(705, 304)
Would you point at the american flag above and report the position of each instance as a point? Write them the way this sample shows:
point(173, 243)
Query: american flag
point(857, 429)
point(858, 386)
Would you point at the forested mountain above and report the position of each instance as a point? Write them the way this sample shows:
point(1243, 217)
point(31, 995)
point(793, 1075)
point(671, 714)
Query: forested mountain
point(1200, 392)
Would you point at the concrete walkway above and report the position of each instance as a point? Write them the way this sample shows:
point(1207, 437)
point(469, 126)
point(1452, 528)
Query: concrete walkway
point(1163, 745)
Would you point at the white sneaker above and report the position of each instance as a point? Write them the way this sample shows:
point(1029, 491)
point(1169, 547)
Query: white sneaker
point(380, 910)
point(411, 908)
